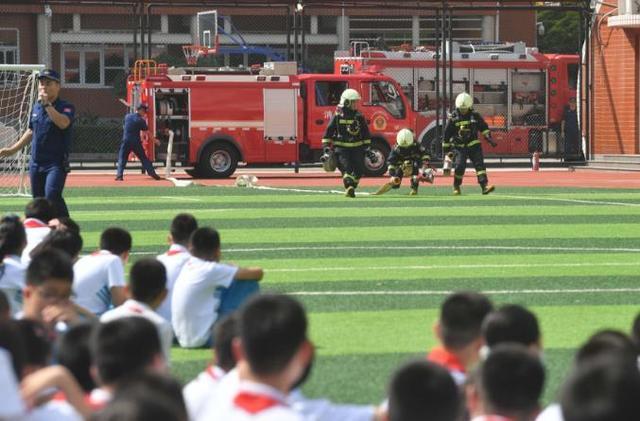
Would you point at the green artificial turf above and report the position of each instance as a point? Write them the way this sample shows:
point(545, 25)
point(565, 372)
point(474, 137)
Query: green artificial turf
point(373, 271)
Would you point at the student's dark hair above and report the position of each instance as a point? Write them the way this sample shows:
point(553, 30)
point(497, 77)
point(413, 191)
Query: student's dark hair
point(605, 388)
point(147, 279)
point(272, 329)
point(149, 407)
point(607, 342)
point(421, 390)
point(37, 342)
point(635, 331)
point(40, 208)
point(512, 379)
point(123, 348)
point(461, 317)
point(154, 385)
point(13, 237)
point(182, 226)
point(69, 225)
point(204, 241)
point(5, 307)
point(49, 264)
point(74, 353)
point(224, 332)
point(66, 241)
point(511, 323)
point(116, 240)
point(11, 340)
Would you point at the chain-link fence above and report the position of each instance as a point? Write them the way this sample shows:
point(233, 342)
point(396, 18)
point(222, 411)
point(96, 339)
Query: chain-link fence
point(94, 47)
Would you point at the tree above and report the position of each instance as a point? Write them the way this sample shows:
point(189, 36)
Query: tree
point(561, 32)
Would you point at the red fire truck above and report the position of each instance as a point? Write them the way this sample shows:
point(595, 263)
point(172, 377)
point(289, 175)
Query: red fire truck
point(222, 117)
point(519, 91)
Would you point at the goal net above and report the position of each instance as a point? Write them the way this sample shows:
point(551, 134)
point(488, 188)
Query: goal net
point(18, 90)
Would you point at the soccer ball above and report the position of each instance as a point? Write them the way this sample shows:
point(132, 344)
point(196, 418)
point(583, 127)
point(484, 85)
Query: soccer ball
point(246, 180)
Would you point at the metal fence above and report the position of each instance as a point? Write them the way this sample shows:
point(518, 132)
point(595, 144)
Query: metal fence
point(95, 45)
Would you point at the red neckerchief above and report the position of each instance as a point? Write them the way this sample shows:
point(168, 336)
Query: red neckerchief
point(214, 374)
point(254, 402)
point(34, 223)
point(440, 355)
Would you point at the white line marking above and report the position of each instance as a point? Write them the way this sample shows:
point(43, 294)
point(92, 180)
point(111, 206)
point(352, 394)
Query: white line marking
point(185, 199)
point(307, 190)
point(451, 267)
point(493, 292)
point(559, 199)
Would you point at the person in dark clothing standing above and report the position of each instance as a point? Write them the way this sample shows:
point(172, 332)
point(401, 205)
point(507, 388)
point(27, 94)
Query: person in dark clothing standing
point(134, 123)
point(50, 135)
point(570, 130)
point(461, 142)
point(349, 134)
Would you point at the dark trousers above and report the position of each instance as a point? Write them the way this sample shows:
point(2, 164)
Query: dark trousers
point(136, 147)
point(474, 153)
point(351, 165)
point(48, 181)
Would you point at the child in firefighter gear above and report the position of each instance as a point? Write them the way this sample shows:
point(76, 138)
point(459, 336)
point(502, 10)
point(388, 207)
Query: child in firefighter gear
point(407, 159)
point(461, 142)
point(348, 135)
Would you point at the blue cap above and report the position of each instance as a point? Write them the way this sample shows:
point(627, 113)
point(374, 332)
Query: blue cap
point(49, 74)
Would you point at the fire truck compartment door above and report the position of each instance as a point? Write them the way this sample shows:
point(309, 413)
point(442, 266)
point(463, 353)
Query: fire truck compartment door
point(280, 114)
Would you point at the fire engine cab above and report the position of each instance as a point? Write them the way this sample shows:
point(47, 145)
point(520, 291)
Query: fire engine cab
point(219, 118)
point(520, 92)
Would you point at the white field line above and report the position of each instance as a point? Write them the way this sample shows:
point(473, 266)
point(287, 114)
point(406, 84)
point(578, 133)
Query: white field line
point(492, 292)
point(453, 267)
point(307, 190)
point(489, 247)
point(181, 199)
point(559, 199)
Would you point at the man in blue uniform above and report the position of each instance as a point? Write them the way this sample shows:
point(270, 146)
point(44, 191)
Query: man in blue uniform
point(50, 136)
point(134, 123)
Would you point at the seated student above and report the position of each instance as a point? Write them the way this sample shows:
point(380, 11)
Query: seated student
point(507, 385)
point(13, 240)
point(206, 289)
point(182, 226)
point(99, 278)
point(121, 349)
point(67, 241)
point(459, 332)
point(198, 391)
point(422, 390)
point(74, 353)
point(47, 293)
point(273, 353)
point(11, 404)
point(37, 215)
point(602, 389)
point(147, 281)
point(512, 323)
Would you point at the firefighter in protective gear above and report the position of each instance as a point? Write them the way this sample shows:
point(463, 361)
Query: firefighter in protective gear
point(461, 142)
point(407, 159)
point(348, 135)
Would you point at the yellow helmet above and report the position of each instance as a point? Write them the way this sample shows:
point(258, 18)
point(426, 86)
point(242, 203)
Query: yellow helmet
point(348, 97)
point(404, 138)
point(464, 102)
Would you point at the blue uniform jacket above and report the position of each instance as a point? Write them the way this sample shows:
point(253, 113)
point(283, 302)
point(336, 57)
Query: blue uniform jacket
point(133, 123)
point(50, 144)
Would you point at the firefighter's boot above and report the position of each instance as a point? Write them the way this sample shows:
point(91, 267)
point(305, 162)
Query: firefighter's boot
point(488, 189)
point(350, 192)
point(456, 191)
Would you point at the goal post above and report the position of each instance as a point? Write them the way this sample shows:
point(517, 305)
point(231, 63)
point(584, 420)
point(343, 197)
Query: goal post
point(18, 91)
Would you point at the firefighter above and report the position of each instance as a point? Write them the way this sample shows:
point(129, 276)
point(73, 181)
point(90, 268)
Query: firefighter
point(348, 135)
point(461, 142)
point(407, 159)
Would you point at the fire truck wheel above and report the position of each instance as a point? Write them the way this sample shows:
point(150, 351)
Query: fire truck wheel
point(218, 160)
point(381, 150)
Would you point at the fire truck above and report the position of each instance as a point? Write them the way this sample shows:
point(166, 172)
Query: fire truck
point(520, 92)
point(219, 118)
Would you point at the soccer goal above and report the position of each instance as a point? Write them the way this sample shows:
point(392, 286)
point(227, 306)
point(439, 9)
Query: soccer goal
point(18, 90)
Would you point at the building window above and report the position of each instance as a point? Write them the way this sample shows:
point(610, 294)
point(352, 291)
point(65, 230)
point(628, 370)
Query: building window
point(82, 66)
point(9, 49)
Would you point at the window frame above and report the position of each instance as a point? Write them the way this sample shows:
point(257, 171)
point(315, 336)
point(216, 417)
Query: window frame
point(15, 49)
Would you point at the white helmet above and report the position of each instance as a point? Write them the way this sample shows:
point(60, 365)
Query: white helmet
point(348, 97)
point(404, 138)
point(464, 102)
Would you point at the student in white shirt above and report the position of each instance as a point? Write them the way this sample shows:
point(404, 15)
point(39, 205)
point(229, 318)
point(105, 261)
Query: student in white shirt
point(99, 278)
point(12, 272)
point(147, 280)
point(207, 289)
point(273, 354)
point(37, 215)
point(182, 226)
